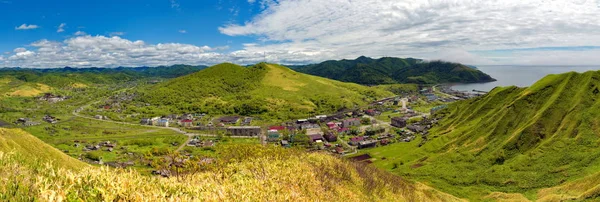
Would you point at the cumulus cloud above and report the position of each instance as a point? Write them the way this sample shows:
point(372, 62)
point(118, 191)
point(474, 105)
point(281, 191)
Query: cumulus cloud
point(80, 33)
point(26, 27)
point(183, 31)
point(102, 51)
point(61, 27)
point(347, 29)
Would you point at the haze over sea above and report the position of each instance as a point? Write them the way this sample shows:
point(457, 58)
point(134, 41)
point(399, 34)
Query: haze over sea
point(521, 76)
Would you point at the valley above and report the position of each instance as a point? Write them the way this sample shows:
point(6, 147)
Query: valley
point(426, 134)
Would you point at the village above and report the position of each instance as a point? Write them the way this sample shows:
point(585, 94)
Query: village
point(394, 120)
point(384, 122)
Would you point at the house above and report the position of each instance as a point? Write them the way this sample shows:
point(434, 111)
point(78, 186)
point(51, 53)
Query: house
point(187, 116)
point(372, 112)
point(330, 137)
point(348, 123)
point(273, 135)
point(247, 121)
point(186, 123)
point(367, 144)
point(384, 142)
point(100, 117)
point(339, 150)
point(146, 121)
point(244, 130)
point(172, 116)
point(343, 130)
point(399, 122)
point(277, 128)
point(355, 140)
point(307, 126)
point(416, 128)
point(333, 125)
point(285, 143)
point(229, 119)
point(301, 121)
point(50, 119)
point(315, 137)
point(314, 131)
point(163, 122)
point(26, 122)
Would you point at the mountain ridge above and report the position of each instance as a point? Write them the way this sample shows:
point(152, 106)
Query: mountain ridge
point(270, 89)
point(390, 70)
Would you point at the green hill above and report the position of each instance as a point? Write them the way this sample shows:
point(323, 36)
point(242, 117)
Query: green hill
point(267, 90)
point(34, 171)
point(389, 70)
point(513, 140)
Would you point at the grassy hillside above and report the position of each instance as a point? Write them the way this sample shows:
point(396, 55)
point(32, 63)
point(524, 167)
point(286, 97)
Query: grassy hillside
point(242, 173)
point(32, 150)
point(390, 70)
point(266, 90)
point(512, 140)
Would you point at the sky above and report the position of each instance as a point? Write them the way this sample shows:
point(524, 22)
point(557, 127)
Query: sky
point(111, 33)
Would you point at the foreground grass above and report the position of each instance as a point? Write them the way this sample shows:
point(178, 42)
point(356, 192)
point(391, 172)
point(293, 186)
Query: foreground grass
point(242, 173)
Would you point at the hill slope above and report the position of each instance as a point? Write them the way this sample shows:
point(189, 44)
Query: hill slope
point(390, 70)
point(264, 89)
point(242, 173)
point(514, 139)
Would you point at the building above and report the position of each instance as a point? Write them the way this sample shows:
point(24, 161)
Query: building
point(372, 112)
point(399, 122)
point(186, 123)
point(146, 121)
point(229, 119)
point(163, 122)
point(330, 137)
point(315, 137)
point(50, 119)
point(367, 144)
point(355, 140)
point(348, 123)
point(244, 130)
point(314, 131)
point(416, 128)
point(273, 135)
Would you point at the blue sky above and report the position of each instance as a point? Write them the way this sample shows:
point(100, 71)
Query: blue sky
point(153, 21)
point(109, 33)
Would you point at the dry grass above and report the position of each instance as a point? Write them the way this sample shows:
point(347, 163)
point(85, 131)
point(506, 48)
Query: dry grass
point(30, 90)
point(242, 173)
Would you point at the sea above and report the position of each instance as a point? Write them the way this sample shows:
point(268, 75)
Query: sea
point(521, 76)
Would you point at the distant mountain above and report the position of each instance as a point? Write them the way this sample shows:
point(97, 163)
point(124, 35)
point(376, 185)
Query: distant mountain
point(68, 76)
point(388, 70)
point(517, 140)
point(264, 89)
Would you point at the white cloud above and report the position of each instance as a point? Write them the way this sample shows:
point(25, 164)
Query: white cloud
point(80, 33)
point(183, 31)
point(102, 51)
point(61, 27)
point(117, 33)
point(26, 27)
point(19, 50)
point(347, 29)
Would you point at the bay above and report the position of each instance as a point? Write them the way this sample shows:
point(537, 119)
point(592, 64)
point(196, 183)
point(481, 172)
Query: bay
point(521, 76)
